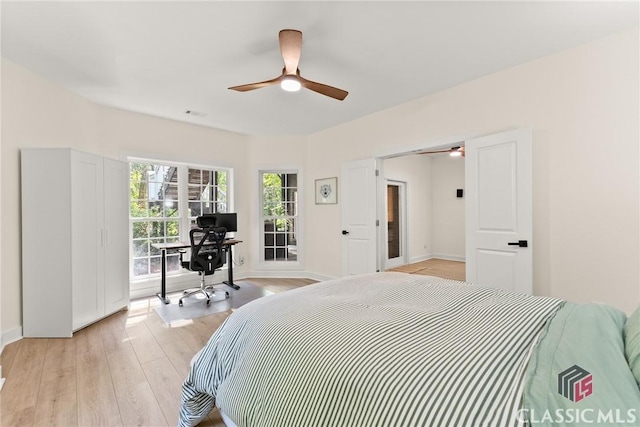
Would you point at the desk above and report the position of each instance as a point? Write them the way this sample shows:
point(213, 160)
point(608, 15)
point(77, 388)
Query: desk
point(164, 247)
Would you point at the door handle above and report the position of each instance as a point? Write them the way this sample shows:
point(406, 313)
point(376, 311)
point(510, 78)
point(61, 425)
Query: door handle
point(345, 232)
point(520, 243)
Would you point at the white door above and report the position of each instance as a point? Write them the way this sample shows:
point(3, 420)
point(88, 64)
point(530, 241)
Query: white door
point(358, 201)
point(498, 210)
point(87, 241)
point(116, 232)
point(395, 224)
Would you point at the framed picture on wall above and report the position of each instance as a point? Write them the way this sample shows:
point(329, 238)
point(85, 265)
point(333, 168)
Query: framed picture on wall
point(327, 191)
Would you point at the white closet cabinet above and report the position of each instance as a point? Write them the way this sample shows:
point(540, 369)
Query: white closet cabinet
point(75, 260)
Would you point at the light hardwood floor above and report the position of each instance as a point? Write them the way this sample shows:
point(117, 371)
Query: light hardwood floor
point(126, 370)
point(447, 269)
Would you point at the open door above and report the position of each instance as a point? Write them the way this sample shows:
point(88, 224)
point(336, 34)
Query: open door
point(498, 181)
point(358, 200)
point(395, 220)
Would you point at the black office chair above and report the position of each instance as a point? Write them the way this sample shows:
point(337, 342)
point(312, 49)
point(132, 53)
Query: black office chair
point(207, 255)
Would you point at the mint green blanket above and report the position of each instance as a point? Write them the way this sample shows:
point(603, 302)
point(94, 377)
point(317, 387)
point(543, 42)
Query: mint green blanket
point(578, 374)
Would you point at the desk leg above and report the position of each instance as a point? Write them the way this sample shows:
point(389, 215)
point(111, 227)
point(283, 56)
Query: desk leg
point(230, 270)
point(163, 286)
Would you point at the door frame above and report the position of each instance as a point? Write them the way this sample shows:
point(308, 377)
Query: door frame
point(402, 201)
point(438, 144)
point(442, 143)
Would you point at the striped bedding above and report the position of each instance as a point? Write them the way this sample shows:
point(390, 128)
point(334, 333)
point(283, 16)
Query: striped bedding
point(385, 349)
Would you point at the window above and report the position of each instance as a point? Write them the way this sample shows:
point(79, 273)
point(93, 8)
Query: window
point(279, 216)
point(207, 192)
point(165, 200)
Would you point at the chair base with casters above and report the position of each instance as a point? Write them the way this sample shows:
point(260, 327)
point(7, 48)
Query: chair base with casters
point(207, 290)
point(207, 256)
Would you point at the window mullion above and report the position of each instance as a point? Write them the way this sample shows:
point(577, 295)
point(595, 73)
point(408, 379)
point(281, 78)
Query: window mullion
point(183, 201)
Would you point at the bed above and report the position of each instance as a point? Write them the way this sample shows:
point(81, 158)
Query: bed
point(394, 349)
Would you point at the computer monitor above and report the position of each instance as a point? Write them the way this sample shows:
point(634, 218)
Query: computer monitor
point(226, 220)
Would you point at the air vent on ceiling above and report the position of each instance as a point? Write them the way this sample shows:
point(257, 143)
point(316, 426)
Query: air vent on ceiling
point(195, 113)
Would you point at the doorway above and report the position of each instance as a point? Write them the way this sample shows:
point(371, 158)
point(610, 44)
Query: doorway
point(396, 224)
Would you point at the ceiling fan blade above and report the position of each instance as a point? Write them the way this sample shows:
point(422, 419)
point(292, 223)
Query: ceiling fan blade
point(290, 47)
point(323, 89)
point(258, 85)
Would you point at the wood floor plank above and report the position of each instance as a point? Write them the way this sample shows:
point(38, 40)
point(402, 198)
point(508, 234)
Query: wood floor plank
point(114, 323)
point(124, 366)
point(60, 348)
point(179, 355)
point(57, 397)
point(144, 343)
point(161, 332)
point(18, 418)
point(89, 339)
point(8, 356)
point(166, 384)
point(191, 336)
point(57, 406)
point(20, 390)
point(139, 407)
point(97, 405)
point(114, 340)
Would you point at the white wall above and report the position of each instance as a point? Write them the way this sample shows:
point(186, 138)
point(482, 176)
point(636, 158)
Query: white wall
point(448, 212)
point(416, 172)
point(435, 216)
point(582, 105)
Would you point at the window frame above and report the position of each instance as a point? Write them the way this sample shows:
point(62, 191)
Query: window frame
point(275, 264)
point(139, 283)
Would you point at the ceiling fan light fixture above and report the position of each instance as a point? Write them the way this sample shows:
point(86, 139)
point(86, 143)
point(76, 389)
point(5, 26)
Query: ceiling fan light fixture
point(290, 84)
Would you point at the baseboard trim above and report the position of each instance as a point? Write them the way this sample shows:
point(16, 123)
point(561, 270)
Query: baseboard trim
point(450, 257)
point(437, 256)
point(12, 335)
point(420, 258)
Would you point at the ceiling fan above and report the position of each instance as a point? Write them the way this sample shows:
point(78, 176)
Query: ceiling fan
point(290, 79)
point(453, 151)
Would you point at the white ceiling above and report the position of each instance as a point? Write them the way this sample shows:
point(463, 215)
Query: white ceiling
point(163, 58)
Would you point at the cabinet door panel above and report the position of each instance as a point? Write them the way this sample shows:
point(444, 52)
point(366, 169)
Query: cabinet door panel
point(116, 213)
point(87, 218)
